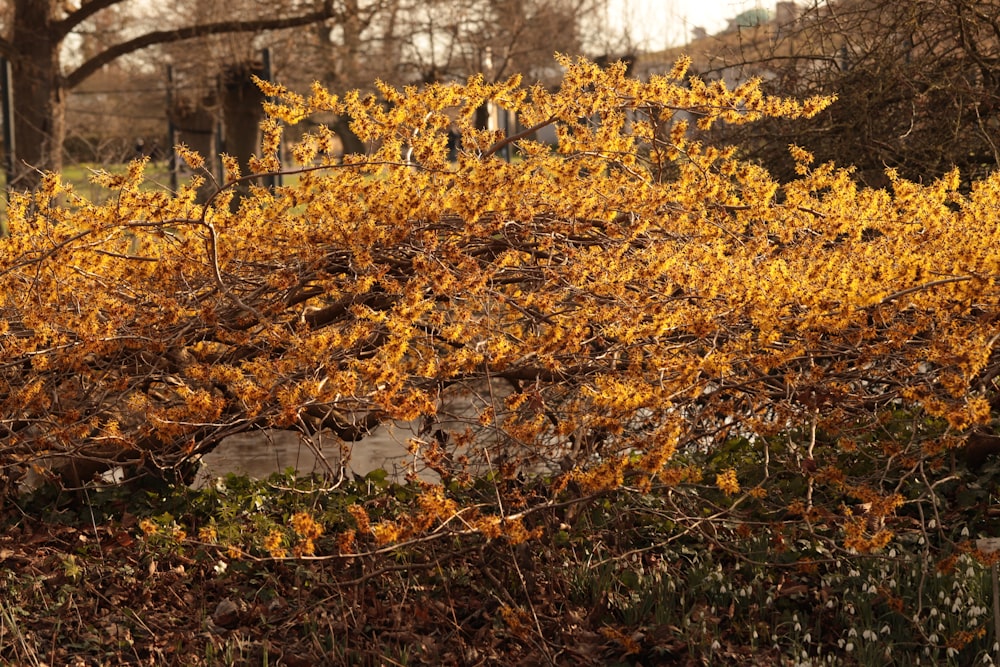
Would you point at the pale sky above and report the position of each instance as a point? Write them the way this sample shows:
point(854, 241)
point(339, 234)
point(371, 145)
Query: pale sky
point(656, 24)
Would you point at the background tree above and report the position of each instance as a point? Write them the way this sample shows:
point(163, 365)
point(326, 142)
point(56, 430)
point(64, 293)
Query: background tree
point(34, 42)
point(918, 85)
point(404, 42)
point(64, 44)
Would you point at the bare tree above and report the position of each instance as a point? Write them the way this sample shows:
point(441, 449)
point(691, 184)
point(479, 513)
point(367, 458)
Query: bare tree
point(918, 85)
point(410, 42)
point(449, 39)
point(34, 43)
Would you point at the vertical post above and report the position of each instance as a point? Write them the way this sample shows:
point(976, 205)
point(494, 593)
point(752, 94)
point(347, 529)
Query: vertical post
point(10, 149)
point(996, 609)
point(509, 128)
point(267, 75)
point(171, 131)
point(491, 114)
point(10, 152)
point(220, 136)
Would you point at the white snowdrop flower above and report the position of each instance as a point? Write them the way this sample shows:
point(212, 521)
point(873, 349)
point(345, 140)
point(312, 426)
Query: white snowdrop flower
point(852, 633)
point(996, 647)
point(947, 601)
point(932, 523)
point(933, 612)
point(849, 647)
point(869, 635)
point(774, 638)
point(722, 588)
point(716, 645)
point(970, 601)
point(755, 635)
point(933, 638)
point(940, 627)
point(798, 627)
point(885, 629)
point(971, 572)
point(830, 604)
point(892, 584)
point(795, 617)
point(892, 552)
point(921, 541)
point(807, 638)
point(965, 531)
point(220, 567)
point(840, 643)
point(951, 652)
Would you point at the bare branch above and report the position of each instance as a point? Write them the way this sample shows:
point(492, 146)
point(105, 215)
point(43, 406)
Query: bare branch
point(190, 32)
point(520, 135)
point(74, 19)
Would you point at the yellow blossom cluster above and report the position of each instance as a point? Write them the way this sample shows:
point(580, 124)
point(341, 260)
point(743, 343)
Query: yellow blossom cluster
point(598, 305)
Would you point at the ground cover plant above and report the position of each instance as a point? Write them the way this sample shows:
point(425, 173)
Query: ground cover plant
point(709, 415)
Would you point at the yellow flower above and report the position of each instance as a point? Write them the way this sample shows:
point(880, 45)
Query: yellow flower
point(305, 526)
point(148, 527)
point(386, 532)
point(360, 517)
point(272, 544)
point(345, 542)
point(304, 548)
point(727, 482)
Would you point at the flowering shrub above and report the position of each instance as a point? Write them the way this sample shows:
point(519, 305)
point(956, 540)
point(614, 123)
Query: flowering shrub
point(610, 307)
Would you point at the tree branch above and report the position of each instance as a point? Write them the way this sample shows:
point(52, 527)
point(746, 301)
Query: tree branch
point(88, 9)
point(166, 36)
point(506, 141)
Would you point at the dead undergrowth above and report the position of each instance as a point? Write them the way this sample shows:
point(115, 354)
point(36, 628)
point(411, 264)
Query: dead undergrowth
point(133, 576)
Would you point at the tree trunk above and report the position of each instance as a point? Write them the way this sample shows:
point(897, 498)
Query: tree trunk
point(352, 145)
point(39, 93)
point(196, 128)
point(242, 112)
